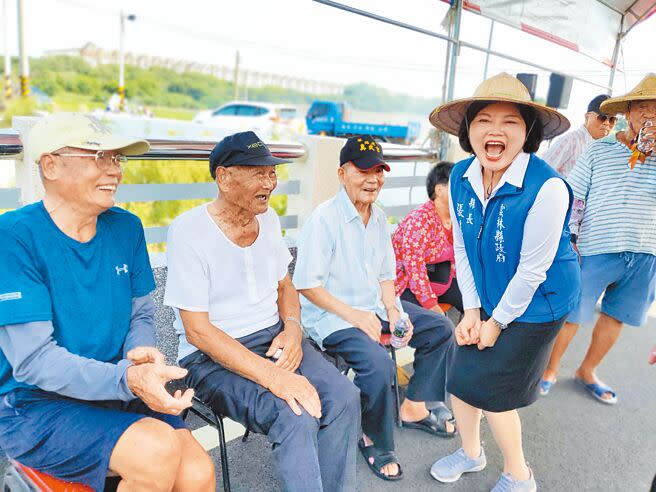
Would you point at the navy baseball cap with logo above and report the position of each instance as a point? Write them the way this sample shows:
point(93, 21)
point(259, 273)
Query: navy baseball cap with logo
point(364, 152)
point(595, 104)
point(242, 149)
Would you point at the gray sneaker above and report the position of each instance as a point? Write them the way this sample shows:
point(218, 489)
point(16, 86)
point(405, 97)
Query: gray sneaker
point(507, 484)
point(450, 468)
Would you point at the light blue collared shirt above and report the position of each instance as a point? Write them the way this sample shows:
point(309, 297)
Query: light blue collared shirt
point(336, 251)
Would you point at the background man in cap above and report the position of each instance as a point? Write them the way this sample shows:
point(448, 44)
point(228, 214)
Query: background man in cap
point(81, 381)
point(345, 272)
point(238, 317)
point(563, 153)
point(612, 223)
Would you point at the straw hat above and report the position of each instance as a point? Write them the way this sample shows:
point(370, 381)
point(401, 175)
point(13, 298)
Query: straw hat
point(646, 89)
point(500, 88)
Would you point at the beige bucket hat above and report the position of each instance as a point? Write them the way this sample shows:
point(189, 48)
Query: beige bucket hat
point(646, 89)
point(81, 131)
point(500, 88)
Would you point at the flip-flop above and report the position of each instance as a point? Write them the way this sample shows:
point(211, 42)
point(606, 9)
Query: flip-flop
point(597, 390)
point(545, 386)
point(381, 458)
point(433, 424)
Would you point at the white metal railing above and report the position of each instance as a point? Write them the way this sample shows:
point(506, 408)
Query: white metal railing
point(312, 177)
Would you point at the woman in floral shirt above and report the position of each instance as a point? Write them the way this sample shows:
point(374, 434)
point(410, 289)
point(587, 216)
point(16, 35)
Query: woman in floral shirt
point(423, 245)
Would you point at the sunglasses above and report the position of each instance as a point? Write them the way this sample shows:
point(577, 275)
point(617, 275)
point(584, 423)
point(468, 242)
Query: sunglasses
point(601, 118)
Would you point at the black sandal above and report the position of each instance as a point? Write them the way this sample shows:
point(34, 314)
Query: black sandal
point(381, 458)
point(433, 424)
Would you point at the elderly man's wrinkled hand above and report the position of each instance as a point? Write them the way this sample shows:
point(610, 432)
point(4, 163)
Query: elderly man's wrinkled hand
point(297, 392)
point(143, 355)
point(289, 341)
point(147, 382)
point(366, 321)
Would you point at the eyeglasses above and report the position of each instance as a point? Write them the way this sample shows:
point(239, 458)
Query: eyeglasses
point(601, 118)
point(103, 161)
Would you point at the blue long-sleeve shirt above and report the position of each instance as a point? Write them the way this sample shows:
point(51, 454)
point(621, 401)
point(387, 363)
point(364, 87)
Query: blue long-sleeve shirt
point(37, 360)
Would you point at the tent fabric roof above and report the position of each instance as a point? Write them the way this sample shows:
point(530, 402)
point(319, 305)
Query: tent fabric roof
point(635, 11)
point(560, 22)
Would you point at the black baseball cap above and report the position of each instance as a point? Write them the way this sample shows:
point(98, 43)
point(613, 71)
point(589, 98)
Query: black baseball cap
point(364, 152)
point(242, 149)
point(595, 104)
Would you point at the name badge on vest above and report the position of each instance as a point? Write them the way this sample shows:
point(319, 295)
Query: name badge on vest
point(498, 236)
point(460, 212)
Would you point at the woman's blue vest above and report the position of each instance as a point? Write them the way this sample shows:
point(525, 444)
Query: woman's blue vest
point(493, 242)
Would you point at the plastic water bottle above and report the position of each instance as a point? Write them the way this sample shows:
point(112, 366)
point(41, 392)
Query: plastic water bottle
point(401, 327)
point(645, 145)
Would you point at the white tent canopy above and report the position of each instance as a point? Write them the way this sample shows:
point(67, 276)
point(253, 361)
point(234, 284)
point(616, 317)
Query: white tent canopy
point(591, 27)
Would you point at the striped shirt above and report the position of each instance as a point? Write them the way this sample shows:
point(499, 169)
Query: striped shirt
point(338, 252)
point(562, 153)
point(620, 203)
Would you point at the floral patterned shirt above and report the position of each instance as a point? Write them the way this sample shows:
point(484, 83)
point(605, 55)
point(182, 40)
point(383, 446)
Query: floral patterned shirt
point(419, 240)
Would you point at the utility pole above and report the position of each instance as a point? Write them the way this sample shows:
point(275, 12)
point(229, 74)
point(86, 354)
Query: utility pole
point(236, 78)
point(121, 61)
point(24, 62)
point(7, 55)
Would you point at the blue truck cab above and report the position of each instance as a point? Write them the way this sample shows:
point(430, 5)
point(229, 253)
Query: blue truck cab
point(331, 118)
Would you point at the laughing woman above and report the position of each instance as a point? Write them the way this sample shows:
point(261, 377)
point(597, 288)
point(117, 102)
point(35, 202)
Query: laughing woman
point(517, 271)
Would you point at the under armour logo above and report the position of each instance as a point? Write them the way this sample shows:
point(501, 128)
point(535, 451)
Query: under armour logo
point(123, 269)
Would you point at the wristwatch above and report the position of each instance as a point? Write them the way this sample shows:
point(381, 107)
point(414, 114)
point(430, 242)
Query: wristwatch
point(500, 325)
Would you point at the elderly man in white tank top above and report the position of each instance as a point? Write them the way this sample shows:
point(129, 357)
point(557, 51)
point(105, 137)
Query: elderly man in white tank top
point(237, 315)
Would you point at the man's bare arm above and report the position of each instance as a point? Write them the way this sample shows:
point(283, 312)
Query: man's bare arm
point(294, 389)
point(288, 302)
point(287, 346)
point(224, 349)
point(388, 294)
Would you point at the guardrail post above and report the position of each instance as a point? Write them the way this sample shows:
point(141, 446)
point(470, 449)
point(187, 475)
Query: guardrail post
point(317, 174)
point(27, 173)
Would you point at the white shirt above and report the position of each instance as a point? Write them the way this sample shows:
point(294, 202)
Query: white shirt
point(207, 272)
point(562, 154)
point(542, 232)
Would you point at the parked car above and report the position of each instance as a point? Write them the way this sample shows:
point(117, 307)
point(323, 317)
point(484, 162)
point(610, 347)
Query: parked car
point(265, 119)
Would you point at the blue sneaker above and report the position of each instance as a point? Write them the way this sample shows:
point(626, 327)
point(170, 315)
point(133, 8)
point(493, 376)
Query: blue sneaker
point(507, 484)
point(450, 468)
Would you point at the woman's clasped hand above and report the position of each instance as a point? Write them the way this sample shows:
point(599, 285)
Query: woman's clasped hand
point(472, 331)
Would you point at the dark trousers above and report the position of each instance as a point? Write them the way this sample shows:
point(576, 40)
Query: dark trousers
point(451, 296)
point(311, 454)
point(374, 370)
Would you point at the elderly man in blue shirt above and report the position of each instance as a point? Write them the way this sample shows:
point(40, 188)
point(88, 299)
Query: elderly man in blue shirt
point(345, 273)
point(82, 385)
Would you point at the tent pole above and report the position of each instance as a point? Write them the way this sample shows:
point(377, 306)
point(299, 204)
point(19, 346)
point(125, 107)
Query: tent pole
point(455, 50)
point(489, 47)
point(616, 53)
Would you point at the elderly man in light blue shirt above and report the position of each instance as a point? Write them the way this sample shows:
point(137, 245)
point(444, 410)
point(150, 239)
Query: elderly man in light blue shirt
point(345, 273)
